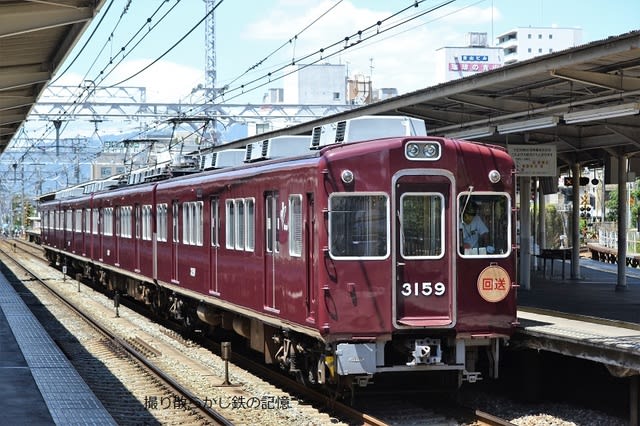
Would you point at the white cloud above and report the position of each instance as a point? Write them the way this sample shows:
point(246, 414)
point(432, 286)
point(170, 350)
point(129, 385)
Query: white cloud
point(166, 82)
point(402, 57)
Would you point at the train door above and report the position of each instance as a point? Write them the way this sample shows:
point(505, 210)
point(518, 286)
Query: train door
point(100, 235)
point(175, 239)
point(137, 223)
point(86, 230)
point(118, 233)
point(309, 236)
point(215, 246)
point(94, 231)
point(271, 250)
point(425, 286)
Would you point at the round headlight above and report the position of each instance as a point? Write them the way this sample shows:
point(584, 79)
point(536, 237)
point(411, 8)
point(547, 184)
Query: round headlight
point(413, 150)
point(347, 176)
point(494, 176)
point(430, 150)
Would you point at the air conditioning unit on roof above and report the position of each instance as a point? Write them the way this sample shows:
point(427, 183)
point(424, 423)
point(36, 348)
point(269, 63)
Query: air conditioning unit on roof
point(277, 147)
point(366, 128)
point(221, 159)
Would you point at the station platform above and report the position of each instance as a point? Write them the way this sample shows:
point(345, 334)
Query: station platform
point(593, 293)
point(38, 384)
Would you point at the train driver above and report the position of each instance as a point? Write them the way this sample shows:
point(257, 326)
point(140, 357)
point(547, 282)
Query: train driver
point(474, 231)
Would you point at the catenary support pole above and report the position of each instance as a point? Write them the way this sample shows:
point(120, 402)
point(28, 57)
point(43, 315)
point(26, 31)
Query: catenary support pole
point(623, 163)
point(525, 233)
point(575, 220)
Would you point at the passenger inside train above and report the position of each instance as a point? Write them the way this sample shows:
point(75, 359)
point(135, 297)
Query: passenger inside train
point(484, 225)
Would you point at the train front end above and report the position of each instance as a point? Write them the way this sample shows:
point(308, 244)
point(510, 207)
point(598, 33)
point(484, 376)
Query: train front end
point(404, 288)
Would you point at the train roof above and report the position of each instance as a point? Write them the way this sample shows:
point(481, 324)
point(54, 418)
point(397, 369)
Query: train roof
point(275, 150)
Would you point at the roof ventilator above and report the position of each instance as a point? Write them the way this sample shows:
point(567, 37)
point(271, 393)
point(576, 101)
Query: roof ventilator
point(366, 128)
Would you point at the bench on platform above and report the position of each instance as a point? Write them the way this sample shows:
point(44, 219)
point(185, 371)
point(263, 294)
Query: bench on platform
point(552, 254)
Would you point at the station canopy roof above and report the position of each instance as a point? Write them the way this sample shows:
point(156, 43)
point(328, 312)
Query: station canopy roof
point(35, 39)
point(584, 100)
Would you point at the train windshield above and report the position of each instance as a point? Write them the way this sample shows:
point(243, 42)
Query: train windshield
point(359, 225)
point(422, 225)
point(484, 224)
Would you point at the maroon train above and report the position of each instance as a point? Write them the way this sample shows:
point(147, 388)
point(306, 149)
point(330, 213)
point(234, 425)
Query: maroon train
point(342, 262)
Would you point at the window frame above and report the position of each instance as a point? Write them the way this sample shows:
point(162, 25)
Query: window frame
point(296, 224)
point(508, 234)
point(387, 212)
point(442, 225)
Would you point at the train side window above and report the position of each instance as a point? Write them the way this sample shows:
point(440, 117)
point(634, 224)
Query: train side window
point(198, 222)
point(484, 224)
point(161, 222)
point(230, 221)
point(250, 207)
point(359, 225)
point(87, 221)
point(271, 223)
point(137, 221)
point(117, 217)
point(68, 220)
point(192, 223)
point(107, 228)
point(215, 219)
point(422, 225)
point(94, 221)
point(240, 224)
point(186, 220)
point(295, 225)
point(175, 219)
point(146, 222)
point(78, 220)
point(126, 228)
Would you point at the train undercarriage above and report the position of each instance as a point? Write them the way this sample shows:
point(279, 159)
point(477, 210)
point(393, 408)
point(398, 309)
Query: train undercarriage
point(335, 365)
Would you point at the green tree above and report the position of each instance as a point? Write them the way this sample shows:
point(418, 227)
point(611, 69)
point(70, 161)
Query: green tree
point(634, 201)
point(553, 226)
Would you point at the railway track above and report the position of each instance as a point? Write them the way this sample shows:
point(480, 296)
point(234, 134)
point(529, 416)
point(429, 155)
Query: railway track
point(117, 372)
point(178, 358)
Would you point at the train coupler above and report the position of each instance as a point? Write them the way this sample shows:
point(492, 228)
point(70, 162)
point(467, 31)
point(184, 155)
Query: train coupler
point(425, 351)
point(363, 381)
point(472, 377)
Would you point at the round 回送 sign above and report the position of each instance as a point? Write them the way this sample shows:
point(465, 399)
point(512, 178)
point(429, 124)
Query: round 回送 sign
point(494, 283)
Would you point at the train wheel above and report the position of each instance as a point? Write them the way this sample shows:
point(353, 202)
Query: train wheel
point(189, 318)
point(157, 304)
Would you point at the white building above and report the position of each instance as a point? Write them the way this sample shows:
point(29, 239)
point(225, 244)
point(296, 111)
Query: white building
point(524, 43)
point(323, 84)
point(476, 57)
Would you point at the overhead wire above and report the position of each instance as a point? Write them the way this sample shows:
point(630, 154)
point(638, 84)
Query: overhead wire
point(86, 43)
point(103, 76)
point(290, 41)
point(322, 51)
point(87, 91)
point(416, 26)
point(270, 76)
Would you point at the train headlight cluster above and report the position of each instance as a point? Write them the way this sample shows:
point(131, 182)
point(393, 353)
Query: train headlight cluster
point(347, 176)
point(422, 151)
point(494, 176)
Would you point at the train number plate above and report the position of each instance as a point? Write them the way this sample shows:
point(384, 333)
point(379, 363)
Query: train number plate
point(423, 289)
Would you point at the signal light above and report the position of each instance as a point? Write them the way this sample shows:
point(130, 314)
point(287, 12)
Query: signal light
point(568, 181)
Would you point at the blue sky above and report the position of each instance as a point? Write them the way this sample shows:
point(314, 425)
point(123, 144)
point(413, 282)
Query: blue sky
point(247, 31)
